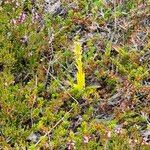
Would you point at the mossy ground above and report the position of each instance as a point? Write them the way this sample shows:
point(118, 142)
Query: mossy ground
point(40, 109)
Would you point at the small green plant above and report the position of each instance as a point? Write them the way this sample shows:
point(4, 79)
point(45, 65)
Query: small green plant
point(80, 75)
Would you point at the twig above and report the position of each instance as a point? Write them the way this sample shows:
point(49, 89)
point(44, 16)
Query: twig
point(59, 82)
point(46, 134)
point(36, 83)
point(49, 68)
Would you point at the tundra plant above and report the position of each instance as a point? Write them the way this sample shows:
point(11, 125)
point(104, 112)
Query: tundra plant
point(80, 75)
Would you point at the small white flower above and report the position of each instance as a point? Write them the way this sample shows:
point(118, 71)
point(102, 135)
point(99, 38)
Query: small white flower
point(109, 134)
point(86, 139)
